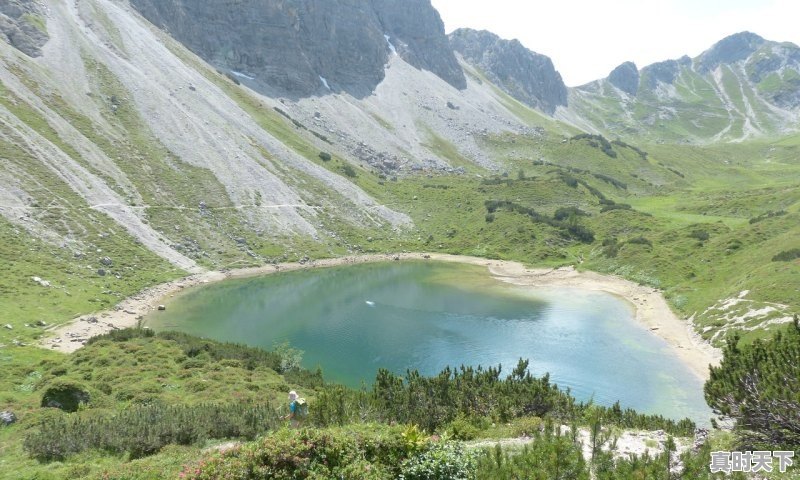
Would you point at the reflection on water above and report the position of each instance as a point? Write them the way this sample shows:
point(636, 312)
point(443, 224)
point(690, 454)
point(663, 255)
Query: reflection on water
point(352, 320)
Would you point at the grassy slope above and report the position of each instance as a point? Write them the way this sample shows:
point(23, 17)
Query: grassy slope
point(117, 375)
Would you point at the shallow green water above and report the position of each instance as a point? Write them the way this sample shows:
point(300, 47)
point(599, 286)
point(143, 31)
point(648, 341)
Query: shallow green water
point(352, 320)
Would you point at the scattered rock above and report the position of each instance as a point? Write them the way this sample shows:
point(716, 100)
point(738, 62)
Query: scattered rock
point(106, 261)
point(41, 323)
point(41, 282)
point(9, 327)
point(101, 272)
point(161, 308)
point(7, 418)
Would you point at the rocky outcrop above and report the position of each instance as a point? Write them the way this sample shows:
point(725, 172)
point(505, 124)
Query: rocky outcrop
point(626, 78)
point(664, 72)
point(527, 76)
point(308, 47)
point(22, 25)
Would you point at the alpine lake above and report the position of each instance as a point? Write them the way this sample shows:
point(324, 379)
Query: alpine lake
point(352, 320)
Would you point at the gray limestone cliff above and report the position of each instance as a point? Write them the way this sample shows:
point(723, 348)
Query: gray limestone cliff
point(527, 76)
point(305, 47)
point(23, 26)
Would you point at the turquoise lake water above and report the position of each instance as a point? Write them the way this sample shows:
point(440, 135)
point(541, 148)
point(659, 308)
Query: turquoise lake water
point(424, 315)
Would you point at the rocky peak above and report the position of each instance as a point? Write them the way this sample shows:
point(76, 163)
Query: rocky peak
point(626, 78)
point(527, 76)
point(308, 47)
point(22, 25)
point(729, 50)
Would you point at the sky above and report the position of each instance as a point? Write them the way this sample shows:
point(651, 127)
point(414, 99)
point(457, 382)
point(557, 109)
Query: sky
point(586, 39)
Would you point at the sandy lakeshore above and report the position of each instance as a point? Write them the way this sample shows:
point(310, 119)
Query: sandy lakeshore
point(650, 306)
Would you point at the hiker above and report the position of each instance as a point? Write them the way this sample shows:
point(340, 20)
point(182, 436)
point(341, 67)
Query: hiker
point(297, 409)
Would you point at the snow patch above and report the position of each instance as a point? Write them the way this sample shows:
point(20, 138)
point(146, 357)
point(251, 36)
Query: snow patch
point(324, 82)
point(242, 75)
point(389, 42)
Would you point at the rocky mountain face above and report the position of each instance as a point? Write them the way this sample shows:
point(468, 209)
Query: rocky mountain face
point(742, 87)
point(23, 26)
point(305, 47)
point(626, 78)
point(122, 148)
point(527, 76)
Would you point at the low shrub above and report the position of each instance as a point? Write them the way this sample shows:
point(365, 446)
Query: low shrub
point(349, 171)
point(361, 451)
point(142, 431)
point(701, 235)
point(787, 256)
point(640, 241)
point(462, 429)
point(443, 461)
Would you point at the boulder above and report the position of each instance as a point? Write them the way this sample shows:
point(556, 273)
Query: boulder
point(7, 418)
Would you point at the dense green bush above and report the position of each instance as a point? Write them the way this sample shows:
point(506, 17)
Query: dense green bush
point(767, 215)
point(548, 457)
point(758, 385)
point(564, 213)
point(640, 241)
point(608, 207)
point(787, 256)
point(569, 226)
point(597, 141)
point(700, 234)
point(611, 180)
point(360, 451)
point(442, 461)
point(349, 171)
point(65, 395)
point(471, 393)
point(325, 156)
point(462, 429)
point(143, 431)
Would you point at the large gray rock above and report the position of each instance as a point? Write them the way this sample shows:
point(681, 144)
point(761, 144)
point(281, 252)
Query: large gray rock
point(300, 48)
point(626, 78)
point(527, 76)
point(7, 418)
point(18, 26)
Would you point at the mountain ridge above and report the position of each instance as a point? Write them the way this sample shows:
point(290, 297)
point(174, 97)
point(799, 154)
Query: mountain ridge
point(741, 87)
